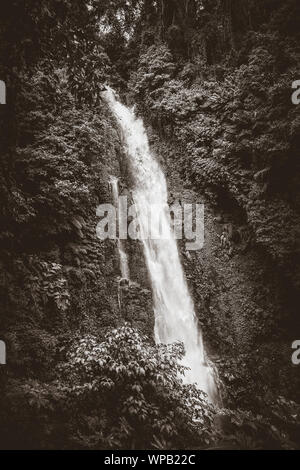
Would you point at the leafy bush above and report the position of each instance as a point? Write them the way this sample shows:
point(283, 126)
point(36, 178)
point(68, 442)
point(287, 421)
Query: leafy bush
point(122, 392)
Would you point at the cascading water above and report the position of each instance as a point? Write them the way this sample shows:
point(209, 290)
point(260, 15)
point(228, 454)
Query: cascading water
point(175, 318)
point(114, 183)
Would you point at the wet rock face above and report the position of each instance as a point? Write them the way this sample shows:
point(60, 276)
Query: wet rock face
point(136, 307)
point(138, 269)
point(241, 299)
point(91, 275)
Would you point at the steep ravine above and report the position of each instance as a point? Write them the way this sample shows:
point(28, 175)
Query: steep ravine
point(242, 302)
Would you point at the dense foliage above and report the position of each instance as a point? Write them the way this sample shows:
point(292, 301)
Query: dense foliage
point(129, 393)
point(212, 77)
point(214, 82)
point(125, 393)
point(235, 120)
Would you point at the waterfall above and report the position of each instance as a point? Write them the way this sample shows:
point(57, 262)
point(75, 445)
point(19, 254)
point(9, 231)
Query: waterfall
point(114, 183)
point(175, 318)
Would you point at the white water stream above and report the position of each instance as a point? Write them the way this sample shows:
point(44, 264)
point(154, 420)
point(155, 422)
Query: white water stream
point(114, 183)
point(175, 318)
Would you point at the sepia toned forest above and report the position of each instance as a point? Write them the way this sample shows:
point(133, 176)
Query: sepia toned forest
point(212, 81)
